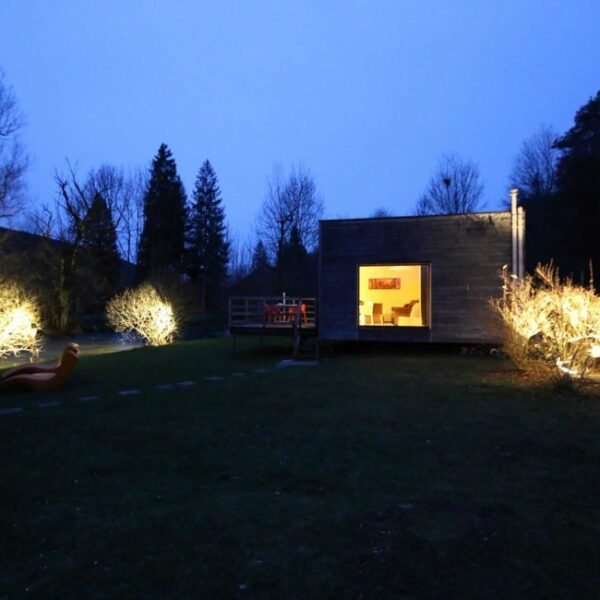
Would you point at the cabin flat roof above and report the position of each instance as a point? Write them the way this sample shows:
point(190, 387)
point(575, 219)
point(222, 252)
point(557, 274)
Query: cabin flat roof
point(419, 217)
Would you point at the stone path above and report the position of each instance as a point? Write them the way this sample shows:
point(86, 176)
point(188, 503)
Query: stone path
point(166, 387)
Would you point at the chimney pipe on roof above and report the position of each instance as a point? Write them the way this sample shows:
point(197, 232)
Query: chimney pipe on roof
point(515, 232)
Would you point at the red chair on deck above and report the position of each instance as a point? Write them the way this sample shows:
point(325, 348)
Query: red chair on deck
point(272, 313)
point(293, 310)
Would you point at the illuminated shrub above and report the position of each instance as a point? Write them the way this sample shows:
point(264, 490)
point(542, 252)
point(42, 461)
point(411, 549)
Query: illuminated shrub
point(550, 324)
point(144, 312)
point(19, 321)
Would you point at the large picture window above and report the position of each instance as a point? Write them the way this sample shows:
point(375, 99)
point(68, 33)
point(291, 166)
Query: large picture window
point(394, 295)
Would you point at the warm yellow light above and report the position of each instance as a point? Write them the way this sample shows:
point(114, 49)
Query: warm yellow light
point(19, 321)
point(551, 320)
point(145, 312)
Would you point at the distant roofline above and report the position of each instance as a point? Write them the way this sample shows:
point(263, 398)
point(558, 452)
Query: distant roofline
point(42, 238)
point(414, 217)
point(30, 234)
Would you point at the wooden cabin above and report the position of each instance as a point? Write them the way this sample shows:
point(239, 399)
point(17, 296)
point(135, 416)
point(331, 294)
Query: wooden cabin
point(416, 279)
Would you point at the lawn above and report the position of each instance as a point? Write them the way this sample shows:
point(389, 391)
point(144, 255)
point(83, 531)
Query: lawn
point(392, 473)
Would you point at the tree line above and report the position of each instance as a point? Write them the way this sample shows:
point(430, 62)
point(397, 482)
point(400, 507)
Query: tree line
point(558, 177)
point(115, 228)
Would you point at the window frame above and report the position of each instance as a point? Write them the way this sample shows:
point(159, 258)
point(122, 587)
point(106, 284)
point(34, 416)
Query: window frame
point(429, 292)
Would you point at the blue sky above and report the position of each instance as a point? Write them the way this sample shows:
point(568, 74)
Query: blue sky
point(367, 94)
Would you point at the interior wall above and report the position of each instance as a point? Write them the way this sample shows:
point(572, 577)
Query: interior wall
point(410, 286)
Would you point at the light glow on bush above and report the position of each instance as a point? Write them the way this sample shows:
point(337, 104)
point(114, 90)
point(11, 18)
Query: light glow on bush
point(19, 321)
point(550, 321)
point(143, 311)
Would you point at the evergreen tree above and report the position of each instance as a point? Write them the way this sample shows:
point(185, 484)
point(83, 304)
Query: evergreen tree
point(208, 247)
point(162, 243)
point(99, 257)
point(295, 265)
point(260, 258)
point(579, 189)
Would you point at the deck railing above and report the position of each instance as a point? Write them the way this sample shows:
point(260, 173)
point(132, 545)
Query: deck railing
point(272, 311)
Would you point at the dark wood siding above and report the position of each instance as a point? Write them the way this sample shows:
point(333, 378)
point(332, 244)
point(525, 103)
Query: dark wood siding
point(466, 254)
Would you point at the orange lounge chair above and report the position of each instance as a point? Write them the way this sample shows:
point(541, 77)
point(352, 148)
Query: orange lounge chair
point(42, 378)
point(30, 369)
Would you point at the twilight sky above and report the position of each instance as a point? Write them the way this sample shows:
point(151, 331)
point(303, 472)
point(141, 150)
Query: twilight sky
point(367, 94)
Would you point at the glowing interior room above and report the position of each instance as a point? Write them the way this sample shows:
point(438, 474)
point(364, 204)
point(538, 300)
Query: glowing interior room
point(393, 295)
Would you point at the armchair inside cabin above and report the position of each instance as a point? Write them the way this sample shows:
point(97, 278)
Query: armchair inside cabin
point(407, 315)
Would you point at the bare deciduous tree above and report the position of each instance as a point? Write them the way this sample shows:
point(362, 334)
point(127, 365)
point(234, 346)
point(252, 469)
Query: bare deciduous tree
point(143, 311)
point(290, 202)
point(240, 258)
point(72, 206)
point(13, 162)
point(534, 168)
point(19, 320)
point(124, 195)
point(455, 188)
point(65, 226)
point(291, 206)
point(381, 212)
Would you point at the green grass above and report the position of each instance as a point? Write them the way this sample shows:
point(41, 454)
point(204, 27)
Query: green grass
point(387, 474)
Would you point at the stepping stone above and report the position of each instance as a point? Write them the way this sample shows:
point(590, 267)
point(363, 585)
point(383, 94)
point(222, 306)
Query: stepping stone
point(238, 374)
point(129, 392)
point(166, 387)
point(186, 383)
point(10, 411)
point(214, 378)
point(89, 398)
point(49, 404)
point(296, 363)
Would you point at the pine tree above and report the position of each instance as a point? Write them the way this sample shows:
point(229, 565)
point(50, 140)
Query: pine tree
point(294, 264)
point(579, 191)
point(162, 243)
point(260, 258)
point(99, 259)
point(208, 247)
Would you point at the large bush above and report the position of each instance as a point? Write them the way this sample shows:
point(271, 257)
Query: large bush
point(549, 324)
point(19, 321)
point(145, 312)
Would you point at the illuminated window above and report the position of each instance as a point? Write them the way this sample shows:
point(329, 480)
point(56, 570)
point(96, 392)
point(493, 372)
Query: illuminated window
point(393, 295)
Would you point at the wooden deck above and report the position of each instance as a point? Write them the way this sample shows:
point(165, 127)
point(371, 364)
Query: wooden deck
point(272, 315)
